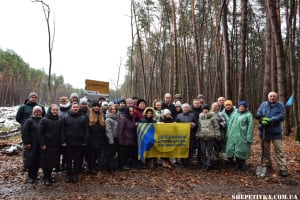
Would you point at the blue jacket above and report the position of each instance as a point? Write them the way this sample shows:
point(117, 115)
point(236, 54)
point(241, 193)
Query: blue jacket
point(276, 113)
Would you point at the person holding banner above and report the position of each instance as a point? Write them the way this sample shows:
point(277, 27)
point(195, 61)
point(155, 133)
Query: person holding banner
point(188, 117)
point(208, 132)
point(149, 115)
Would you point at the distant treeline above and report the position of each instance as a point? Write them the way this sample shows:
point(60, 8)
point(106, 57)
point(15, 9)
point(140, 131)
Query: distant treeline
point(18, 79)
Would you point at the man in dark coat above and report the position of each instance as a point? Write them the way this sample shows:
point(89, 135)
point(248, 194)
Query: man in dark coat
point(74, 137)
point(167, 104)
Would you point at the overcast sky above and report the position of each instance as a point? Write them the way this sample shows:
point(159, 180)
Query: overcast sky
point(91, 37)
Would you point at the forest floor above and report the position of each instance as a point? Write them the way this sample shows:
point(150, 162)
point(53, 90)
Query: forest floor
point(222, 182)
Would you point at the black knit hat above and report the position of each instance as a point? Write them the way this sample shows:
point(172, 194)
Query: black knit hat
point(141, 100)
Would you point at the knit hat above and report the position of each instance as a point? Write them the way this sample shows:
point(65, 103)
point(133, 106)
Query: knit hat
point(36, 108)
point(200, 96)
point(95, 103)
point(243, 103)
point(177, 104)
point(74, 94)
point(141, 100)
point(32, 94)
point(206, 107)
point(83, 101)
point(104, 103)
point(123, 101)
point(228, 102)
point(110, 103)
point(166, 112)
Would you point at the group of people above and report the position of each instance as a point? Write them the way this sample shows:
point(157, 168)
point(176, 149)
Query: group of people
point(78, 132)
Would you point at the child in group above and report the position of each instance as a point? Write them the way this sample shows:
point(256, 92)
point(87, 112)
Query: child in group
point(208, 131)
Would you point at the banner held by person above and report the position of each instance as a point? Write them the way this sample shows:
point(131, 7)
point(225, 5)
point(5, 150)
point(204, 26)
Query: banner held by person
point(170, 140)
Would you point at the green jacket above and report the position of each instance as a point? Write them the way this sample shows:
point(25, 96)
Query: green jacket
point(240, 135)
point(25, 111)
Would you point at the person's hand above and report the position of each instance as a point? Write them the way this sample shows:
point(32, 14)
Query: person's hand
point(64, 144)
point(265, 121)
point(28, 146)
point(43, 147)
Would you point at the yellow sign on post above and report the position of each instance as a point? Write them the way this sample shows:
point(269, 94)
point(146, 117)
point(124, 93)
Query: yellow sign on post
point(98, 86)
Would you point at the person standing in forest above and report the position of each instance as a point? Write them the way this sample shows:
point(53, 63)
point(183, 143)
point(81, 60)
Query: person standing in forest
point(49, 137)
point(24, 112)
point(240, 136)
point(111, 128)
point(30, 140)
point(270, 114)
point(167, 104)
point(74, 135)
point(97, 139)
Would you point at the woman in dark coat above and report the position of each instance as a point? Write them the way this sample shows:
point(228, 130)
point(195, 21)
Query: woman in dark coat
point(127, 140)
point(31, 142)
point(49, 136)
point(97, 137)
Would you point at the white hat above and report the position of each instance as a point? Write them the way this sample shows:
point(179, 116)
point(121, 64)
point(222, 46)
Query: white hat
point(166, 112)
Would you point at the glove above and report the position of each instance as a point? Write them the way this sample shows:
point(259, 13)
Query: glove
point(265, 121)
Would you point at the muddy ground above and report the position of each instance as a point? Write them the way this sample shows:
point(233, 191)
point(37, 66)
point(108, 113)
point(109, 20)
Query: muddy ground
point(222, 182)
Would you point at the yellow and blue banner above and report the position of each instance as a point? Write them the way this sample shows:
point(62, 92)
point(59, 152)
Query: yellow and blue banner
point(164, 140)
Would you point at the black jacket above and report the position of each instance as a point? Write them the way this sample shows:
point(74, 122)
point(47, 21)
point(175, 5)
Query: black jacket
point(75, 131)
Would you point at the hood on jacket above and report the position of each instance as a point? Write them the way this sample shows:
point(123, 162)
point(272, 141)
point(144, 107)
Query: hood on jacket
point(149, 108)
point(207, 116)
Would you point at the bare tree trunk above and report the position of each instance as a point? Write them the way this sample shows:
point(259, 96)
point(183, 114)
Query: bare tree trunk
point(197, 54)
point(271, 8)
point(243, 51)
point(46, 10)
point(267, 72)
point(226, 51)
point(175, 56)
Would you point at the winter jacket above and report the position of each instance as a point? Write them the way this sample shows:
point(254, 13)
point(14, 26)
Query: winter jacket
point(240, 135)
point(137, 114)
point(25, 111)
point(276, 113)
point(228, 115)
point(64, 110)
point(208, 127)
point(30, 136)
point(50, 136)
point(97, 136)
point(74, 129)
point(127, 131)
point(147, 120)
point(222, 124)
point(171, 107)
point(158, 114)
point(111, 127)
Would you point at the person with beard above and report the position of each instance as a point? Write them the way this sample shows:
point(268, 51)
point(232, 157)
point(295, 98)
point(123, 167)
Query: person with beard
point(127, 140)
point(30, 140)
point(97, 138)
point(24, 112)
point(74, 138)
point(49, 137)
